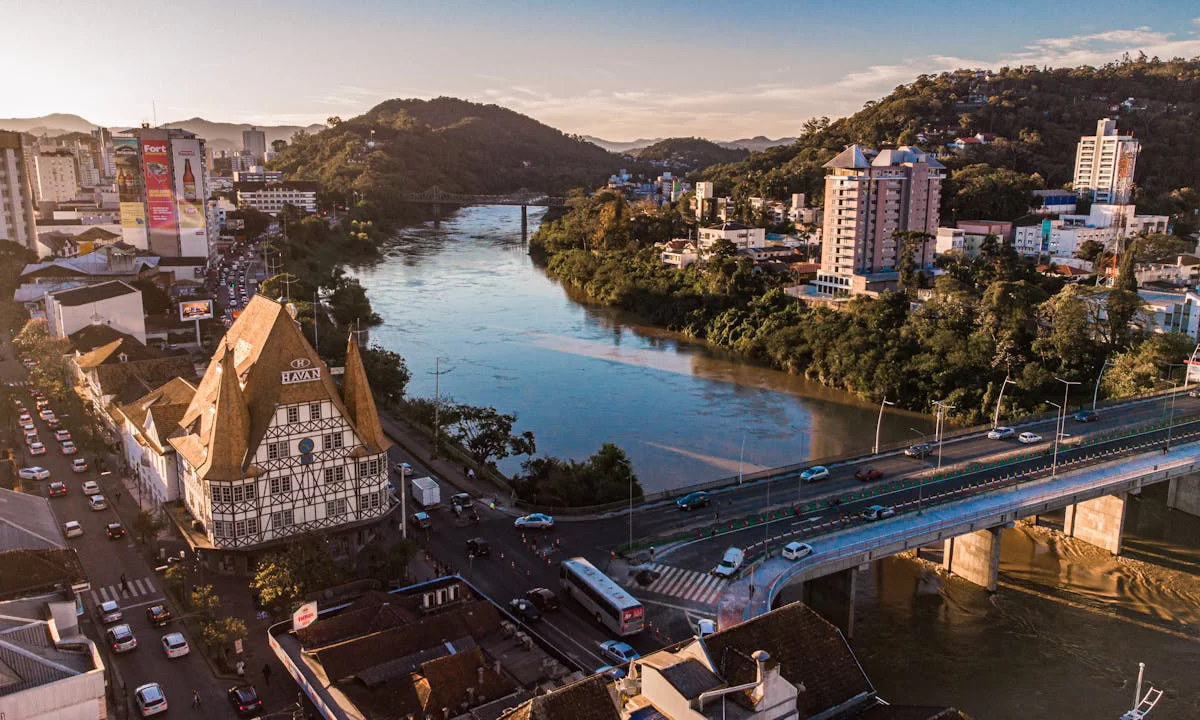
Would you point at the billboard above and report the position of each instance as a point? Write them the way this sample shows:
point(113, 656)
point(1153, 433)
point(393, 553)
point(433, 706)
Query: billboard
point(304, 615)
point(196, 310)
point(160, 200)
point(189, 186)
point(129, 182)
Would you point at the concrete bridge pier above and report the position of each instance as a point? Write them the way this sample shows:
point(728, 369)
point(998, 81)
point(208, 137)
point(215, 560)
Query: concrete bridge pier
point(1184, 494)
point(437, 215)
point(524, 223)
point(975, 557)
point(832, 597)
point(1098, 522)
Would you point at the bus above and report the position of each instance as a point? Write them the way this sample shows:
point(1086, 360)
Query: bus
point(608, 602)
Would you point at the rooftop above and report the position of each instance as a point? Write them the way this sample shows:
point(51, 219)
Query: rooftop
point(93, 293)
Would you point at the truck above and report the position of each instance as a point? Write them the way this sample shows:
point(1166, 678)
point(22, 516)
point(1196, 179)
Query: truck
point(426, 492)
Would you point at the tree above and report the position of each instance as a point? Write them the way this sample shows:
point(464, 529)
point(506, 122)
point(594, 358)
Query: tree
point(175, 576)
point(349, 305)
point(1089, 250)
point(483, 431)
point(278, 145)
point(388, 373)
point(205, 601)
point(221, 633)
point(275, 583)
point(146, 526)
point(1142, 369)
point(980, 192)
point(284, 578)
point(910, 279)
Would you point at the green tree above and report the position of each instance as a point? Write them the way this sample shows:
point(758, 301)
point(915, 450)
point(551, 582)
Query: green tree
point(205, 601)
point(275, 583)
point(1144, 368)
point(221, 633)
point(485, 432)
point(984, 192)
point(1089, 250)
point(146, 526)
point(387, 372)
point(349, 305)
point(176, 576)
point(284, 578)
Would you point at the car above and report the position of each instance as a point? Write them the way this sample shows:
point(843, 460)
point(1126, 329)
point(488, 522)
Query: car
point(422, 520)
point(97, 502)
point(174, 645)
point(43, 404)
point(796, 550)
point(25, 418)
point(68, 448)
point(1194, 393)
point(52, 422)
point(33, 472)
point(244, 700)
point(37, 448)
point(72, 528)
point(869, 473)
point(460, 502)
point(878, 512)
point(619, 652)
point(693, 500)
point(535, 521)
point(62, 435)
point(91, 487)
point(46, 413)
point(478, 547)
point(1000, 433)
point(28, 428)
point(730, 563)
point(920, 450)
point(115, 531)
point(121, 638)
point(1085, 416)
point(79, 465)
point(31, 438)
point(150, 699)
point(110, 612)
point(705, 627)
point(814, 473)
point(524, 610)
point(56, 489)
point(542, 598)
point(1028, 438)
point(158, 615)
point(613, 673)
point(403, 468)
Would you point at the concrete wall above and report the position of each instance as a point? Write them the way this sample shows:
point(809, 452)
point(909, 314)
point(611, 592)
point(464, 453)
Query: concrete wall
point(975, 557)
point(832, 597)
point(1099, 522)
point(1184, 494)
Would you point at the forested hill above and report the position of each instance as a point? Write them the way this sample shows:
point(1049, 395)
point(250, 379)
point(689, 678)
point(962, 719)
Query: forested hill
point(1037, 116)
point(457, 145)
point(691, 153)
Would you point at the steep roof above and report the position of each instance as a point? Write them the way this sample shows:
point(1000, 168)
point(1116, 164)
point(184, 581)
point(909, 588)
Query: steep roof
point(588, 699)
point(852, 158)
point(361, 405)
point(112, 352)
point(165, 405)
point(224, 427)
point(91, 337)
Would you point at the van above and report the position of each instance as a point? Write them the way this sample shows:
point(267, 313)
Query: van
point(730, 563)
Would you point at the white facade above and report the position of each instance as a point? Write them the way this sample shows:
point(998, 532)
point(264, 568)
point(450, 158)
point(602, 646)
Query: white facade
point(949, 240)
point(16, 199)
point(54, 178)
point(270, 198)
point(742, 237)
point(118, 307)
point(1105, 162)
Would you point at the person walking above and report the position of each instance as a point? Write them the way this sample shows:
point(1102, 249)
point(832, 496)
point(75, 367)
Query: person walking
point(195, 699)
point(266, 673)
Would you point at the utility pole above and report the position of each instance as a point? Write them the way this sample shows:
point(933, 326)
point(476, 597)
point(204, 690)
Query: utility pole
point(438, 372)
point(1096, 392)
point(879, 423)
point(996, 416)
point(941, 418)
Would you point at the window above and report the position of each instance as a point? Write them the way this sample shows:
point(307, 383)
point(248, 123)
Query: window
point(335, 475)
point(335, 508)
point(252, 526)
point(277, 450)
point(226, 494)
point(237, 493)
point(293, 414)
point(281, 484)
point(281, 519)
point(216, 493)
point(314, 411)
point(368, 501)
point(251, 491)
point(331, 442)
point(239, 528)
point(222, 529)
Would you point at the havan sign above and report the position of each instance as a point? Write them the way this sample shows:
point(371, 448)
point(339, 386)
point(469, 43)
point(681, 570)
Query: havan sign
point(301, 372)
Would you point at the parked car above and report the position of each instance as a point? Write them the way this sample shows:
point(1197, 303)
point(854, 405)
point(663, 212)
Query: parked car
point(115, 531)
point(110, 612)
point(920, 450)
point(693, 500)
point(460, 502)
point(121, 639)
point(37, 448)
point(68, 448)
point(542, 598)
point(1028, 438)
point(422, 520)
point(705, 627)
point(158, 615)
point(72, 528)
point(91, 487)
point(33, 472)
point(150, 699)
point(814, 473)
point(79, 465)
point(174, 645)
point(869, 473)
point(56, 489)
point(244, 700)
point(878, 512)
point(478, 547)
point(1194, 393)
point(97, 502)
point(62, 435)
point(1001, 433)
point(1085, 416)
point(537, 521)
point(619, 652)
point(796, 550)
point(730, 563)
point(524, 610)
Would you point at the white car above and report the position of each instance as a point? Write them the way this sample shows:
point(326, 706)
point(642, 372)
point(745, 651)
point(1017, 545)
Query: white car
point(72, 528)
point(121, 638)
point(796, 550)
point(536, 520)
point(730, 563)
point(174, 645)
point(68, 448)
point(1001, 433)
point(110, 612)
point(878, 512)
point(97, 502)
point(79, 465)
point(62, 435)
point(33, 473)
point(91, 487)
point(37, 448)
point(1028, 438)
point(619, 652)
point(150, 699)
point(705, 627)
point(814, 473)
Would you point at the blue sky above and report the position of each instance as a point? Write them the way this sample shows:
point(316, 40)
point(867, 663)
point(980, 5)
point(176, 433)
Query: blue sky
point(614, 69)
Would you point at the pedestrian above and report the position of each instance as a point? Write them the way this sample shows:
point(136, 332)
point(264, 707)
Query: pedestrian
point(751, 588)
point(466, 471)
point(195, 699)
point(471, 473)
point(651, 553)
point(267, 673)
point(118, 496)
point(241, 668)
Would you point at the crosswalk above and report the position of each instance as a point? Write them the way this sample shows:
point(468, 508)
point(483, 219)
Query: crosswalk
point(135, 588)
point(686, 584)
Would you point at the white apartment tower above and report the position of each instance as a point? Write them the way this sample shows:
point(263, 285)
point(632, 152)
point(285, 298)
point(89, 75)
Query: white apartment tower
point(16, 198)
point(1104, 164)
point(54, 179)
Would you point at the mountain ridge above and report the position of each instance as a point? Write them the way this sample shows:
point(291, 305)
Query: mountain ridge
point(218, 135)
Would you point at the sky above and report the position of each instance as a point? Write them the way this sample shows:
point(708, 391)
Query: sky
point(614, 69)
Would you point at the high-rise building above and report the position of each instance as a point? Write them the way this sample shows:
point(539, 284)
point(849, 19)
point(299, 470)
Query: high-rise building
point(53, 177)
point(162, 186)
point(868, 197)
point(102, 152)
point(16, 198)
point(254, 141)
point(1104, 164)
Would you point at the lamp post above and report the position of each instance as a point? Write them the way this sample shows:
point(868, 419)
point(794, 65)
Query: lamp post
point(920, 478)
point(1066, 404)
point(741, 455)
point(1096, 392)
point(1054, 463)
point(1171, 422)
point(996, 415)
point(879, 424)
point(438, 372)
point(942, 408)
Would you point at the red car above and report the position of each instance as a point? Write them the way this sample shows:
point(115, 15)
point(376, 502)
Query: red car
point(868, 474)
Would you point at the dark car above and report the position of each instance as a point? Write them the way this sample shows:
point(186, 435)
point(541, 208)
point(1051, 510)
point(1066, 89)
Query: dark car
point(1087, 416)
point(158, 615)
point(244, 700)
point(115, 531)
point(524, 610)
point(869, 473)
point(422, 520)
point(919, 450)
point(545, 600)
point(693, 500)
point(460, 502)
point(478, 547)
point(56, 488)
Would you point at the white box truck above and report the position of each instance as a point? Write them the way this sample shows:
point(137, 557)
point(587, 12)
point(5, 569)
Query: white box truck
point(426, 492)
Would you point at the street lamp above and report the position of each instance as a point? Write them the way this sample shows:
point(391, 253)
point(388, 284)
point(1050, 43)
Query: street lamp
point(1171, 422)
point(942, 408)
point(921, 478)
point(1054, 463)
point(741, 455)
point(1066, 391)
point(996, 416)
point(879, 424)
point(1096, 392)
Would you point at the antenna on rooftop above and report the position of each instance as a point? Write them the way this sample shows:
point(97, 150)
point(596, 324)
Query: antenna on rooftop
point(154, 112)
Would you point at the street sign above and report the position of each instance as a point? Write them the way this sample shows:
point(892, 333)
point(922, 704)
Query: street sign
point(237, 646)
point(304, 615)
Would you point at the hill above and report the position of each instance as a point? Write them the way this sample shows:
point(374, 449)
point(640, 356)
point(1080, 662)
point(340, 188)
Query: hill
point(619, 147)
point(228, 136)
point(412, 145)
point(758, 143)
point(52, 125)
point(689, 153)
point(1037, 115)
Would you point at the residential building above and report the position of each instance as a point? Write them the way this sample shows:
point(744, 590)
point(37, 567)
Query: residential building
point(742, 236)
point(271, 197)
point(870, 196)
point(112, 368)
point(1002, 229)
point(679, 253)
point(102, 153)
point(258, 174)
point(53, 177)
point(17, 222)
point(271, 449)
point(115, 304)
point(162, 186)
point(1054, 202)
point(1105, 162)
point(254, 141)
point(773, 211)
point(144, 426)
point(112, 261)
point(705, 193)
point(1184, 271)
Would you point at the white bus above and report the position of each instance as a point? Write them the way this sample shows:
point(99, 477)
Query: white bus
point(608, 602)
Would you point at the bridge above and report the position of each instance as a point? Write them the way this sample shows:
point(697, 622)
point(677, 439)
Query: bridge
point(524, 198)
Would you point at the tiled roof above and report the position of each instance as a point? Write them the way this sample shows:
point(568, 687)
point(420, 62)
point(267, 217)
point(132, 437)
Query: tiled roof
point(181, 261)
point(360, 403)
point(112, 352)
point(370, 613)
point(26, 572)
point(93, 336)
point(93, 293)
point(165, 405)
point(130, 380)
point(588, 699)
point(690, 677)
point(226, 427)
point(852, 158)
